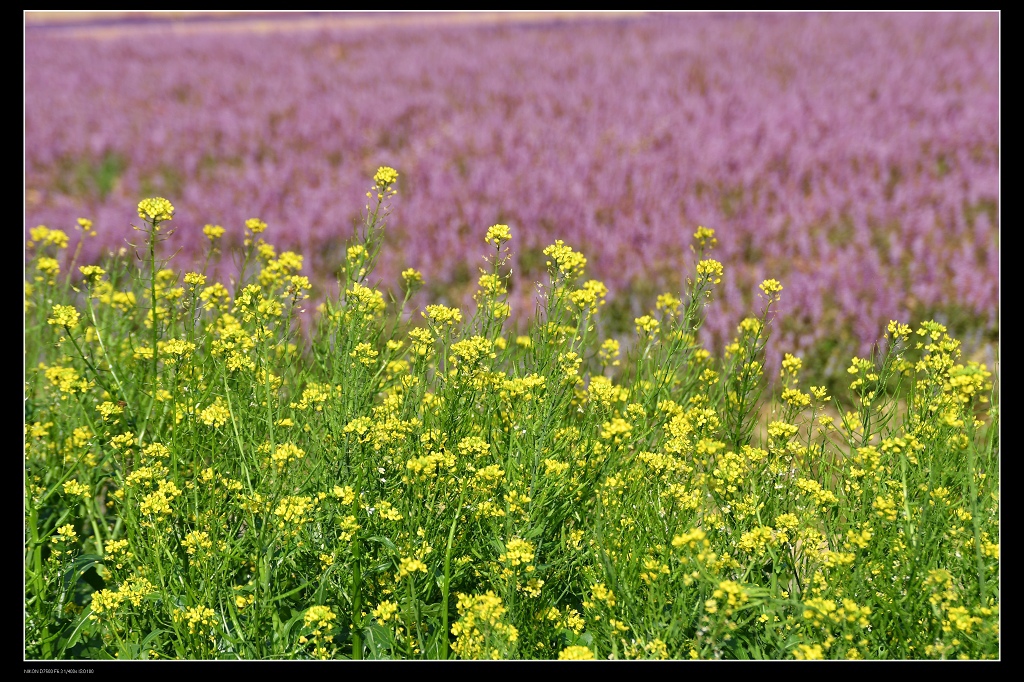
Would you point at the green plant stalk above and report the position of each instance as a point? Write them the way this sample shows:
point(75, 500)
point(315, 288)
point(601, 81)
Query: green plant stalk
point(447, 579)
point(106, 354)
point(238, 436)
point(976, 521)
point(37, 578)
point(357, 583)
point(152, 298)
point(416, 613)
point(266, 384)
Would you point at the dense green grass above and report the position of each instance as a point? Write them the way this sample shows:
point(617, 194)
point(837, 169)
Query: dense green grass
point(203, 481)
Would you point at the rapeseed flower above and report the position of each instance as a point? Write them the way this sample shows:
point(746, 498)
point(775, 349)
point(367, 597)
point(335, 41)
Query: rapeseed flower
point(808, 652)
point(442, 314)
point(709, 271)
point(704, 237)
point(49, 267)
point(385, 611)
point(772, 289)
point(565, 263)
point(480, 632)
point(65, 316)
point(413, 279)
point(196, 617)
point(255, 225)
point(409, 565)
point(498, 235)
point(576, 653)
point(76, 489)
point(213, 232)
point(156, 210)
point(91, 273)
point(384, 178)
point(42, 235)
point(645, 324)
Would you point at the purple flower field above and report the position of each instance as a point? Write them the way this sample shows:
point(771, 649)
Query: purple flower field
point(852, 156)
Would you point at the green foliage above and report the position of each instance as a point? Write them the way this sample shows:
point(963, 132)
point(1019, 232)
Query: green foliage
point(203, 481)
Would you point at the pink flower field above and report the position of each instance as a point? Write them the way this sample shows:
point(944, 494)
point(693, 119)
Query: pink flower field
point(852, 156)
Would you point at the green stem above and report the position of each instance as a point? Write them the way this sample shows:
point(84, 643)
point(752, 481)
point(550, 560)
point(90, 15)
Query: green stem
point(106, 354)
point(976, 521)
point(416, 614)
point(155, 336)
point(357, 579)
point(447, 580)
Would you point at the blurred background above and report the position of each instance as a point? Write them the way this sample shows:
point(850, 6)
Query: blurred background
point(852, 156)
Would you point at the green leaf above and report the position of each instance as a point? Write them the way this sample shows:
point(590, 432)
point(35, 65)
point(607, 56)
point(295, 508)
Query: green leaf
point(383, 541)
point(80, 565)
point(379, 641)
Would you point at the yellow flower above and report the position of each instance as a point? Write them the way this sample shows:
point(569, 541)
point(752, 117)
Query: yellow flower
point(156, 210)
point(564, 261)
point(771, 289)
point(384, 178)
point(74, 488)
point(91, 273)
point(407, 566)
point(498, 234)
point(808, 652)
point(64, 316)
point(704, 237)
point(385, 611)
point(255, 225)
point(48, 266)
point(646, 324)
point(85, 225)
point(576, 653)
point(413, 279)
point(710, 271)
point(441, 314)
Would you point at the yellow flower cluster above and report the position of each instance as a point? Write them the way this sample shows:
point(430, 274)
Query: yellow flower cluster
point(65, 316)
point(645, 324)
point(576, 653)
point(196, 539)
point(409, 565)
point(705, 237)
point(158, 502)
point(471, 351)
point(498, 235)
point(255, 225)
point(197, 617)
point(480, 632)
point(603, 393)
point(41, 235)
point(819, 495)
point(385, 611)
point(709, 271)
point(442, 315)
point(413, 279)
point(565, 264)
point(772, 289)
point(213, 232)
point(292, 510)
point(286, 453)
point(216, 414)
point(156, 210)
point(517, 551)
point(91, 273)
point(384, 178)
point(76, 489)
point(588, 298)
